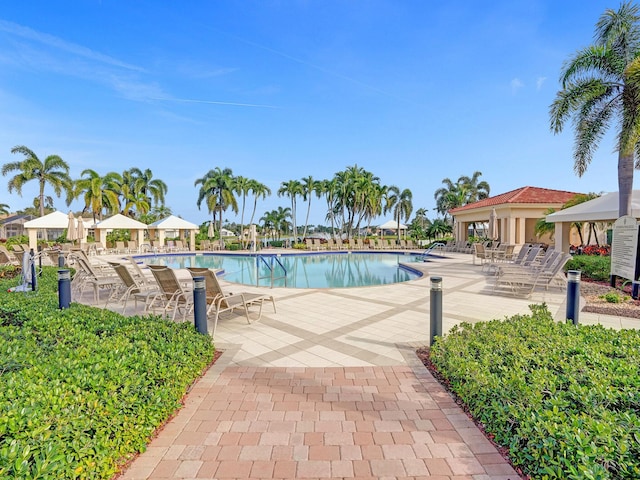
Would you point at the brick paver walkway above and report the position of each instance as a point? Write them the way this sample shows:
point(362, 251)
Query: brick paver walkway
point(337, 422)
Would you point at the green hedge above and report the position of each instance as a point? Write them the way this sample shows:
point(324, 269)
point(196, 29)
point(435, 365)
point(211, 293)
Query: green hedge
point(565, 400)
point(594, 267)
point(82, 390)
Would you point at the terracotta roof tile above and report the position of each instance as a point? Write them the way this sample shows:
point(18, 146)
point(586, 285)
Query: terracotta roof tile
point(520, 195)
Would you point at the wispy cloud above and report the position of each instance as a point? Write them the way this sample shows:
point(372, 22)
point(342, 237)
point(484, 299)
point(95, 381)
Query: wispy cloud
point(539, 82)
point(211, 102)
point(310, 65)
point(516, 84)
point(55, 42)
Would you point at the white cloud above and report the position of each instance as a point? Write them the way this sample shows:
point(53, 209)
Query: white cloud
point(516, 84)
point(539, 82)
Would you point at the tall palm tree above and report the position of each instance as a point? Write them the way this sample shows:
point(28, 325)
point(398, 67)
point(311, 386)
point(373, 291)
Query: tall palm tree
point(601, 85)
point(476, 189)
point(309, 186)
point(401, 202)
point(96, 193)
point(259, 190)
point(143, 182)
point(53, 171)
point(216, 188)
point(329, 188)
point(291, 189)
point(4, 209)
point(242, 187)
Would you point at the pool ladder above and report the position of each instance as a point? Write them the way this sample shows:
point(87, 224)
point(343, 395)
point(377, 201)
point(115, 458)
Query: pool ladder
point(270, 266)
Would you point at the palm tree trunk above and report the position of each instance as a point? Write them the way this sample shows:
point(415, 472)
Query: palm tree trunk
point(625, 183)
point(42, 198)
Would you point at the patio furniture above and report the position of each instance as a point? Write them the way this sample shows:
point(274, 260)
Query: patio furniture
point(219, 302)
point(171, 295)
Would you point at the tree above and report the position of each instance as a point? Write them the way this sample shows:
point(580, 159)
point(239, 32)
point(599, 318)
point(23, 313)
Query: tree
point(242, 187)
point(96, 193)
point(600, 86)
point(309, 186)
point(400, 202)
point(259, 190)
point(475, 190)
point(291, 189)
point(53, 171)
point(216, 188)
point(142, 182)
point(438, 228)
point(4, 209)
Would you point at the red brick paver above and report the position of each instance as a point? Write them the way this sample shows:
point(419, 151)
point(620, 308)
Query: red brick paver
point(342, 422)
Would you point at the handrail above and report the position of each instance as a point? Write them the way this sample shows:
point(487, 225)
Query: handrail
point(270, 267)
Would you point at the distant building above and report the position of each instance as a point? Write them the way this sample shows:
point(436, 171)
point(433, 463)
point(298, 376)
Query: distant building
point(13, 225)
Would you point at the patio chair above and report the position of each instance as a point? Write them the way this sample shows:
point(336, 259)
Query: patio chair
point(317, 244)
point(131, 287)
point(219, 302)
point(10, 256)
point(171, 294)
point(132, 246)
point(523, 281)
point(86, 274)
point(480, 253)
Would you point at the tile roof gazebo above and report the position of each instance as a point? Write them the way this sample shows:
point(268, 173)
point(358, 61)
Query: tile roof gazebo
point(517, 211)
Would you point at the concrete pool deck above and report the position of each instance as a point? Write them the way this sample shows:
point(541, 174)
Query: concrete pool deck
point(330, 387)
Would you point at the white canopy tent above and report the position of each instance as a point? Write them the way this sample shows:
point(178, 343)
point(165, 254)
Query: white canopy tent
point(53, 221)
point(119, 222)
point(392, 225)
point(601, 209)
point(158, 229)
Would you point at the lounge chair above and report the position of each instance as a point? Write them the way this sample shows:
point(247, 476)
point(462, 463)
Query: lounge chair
point(86, 274)
point(131, 287)
point(480, 253)
point(523, 281)
point(171, 294)
point(219, 302)
point(132, 246)
point(317, 244)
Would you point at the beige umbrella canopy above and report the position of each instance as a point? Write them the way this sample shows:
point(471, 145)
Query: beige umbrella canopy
point(72, 232)
point(210, 233)
point(80, 230)
point(493, 225)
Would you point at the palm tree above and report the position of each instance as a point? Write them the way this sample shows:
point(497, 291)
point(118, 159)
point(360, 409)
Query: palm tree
point(96, 193)
point(309, 186)
point(242, 187)
point(601, 85)
point(291, 189)
point(143, 182)
point(54, 171)
point(4, 209)
point(476, 190)
point(439, 228)
point(259, 190)
point(400, 202)
point(216, 188)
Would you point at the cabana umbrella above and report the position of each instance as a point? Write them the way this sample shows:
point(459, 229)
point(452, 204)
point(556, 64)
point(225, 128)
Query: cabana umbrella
point(80, 230)
point(210, 233)
point(72, 233)
point(493, 225)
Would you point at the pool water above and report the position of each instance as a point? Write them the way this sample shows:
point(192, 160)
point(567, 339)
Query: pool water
point(330, 270)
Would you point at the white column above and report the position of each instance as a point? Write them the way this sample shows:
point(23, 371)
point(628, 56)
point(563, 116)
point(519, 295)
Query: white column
point(561, 237)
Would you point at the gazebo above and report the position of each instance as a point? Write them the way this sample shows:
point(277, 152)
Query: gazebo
point(157, 230)
point(52, 221)
point(393, 225)
point(120, 222)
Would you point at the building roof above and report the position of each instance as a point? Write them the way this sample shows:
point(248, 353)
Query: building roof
point(119, 221)
point(523, 195)
point(601, 209)
point(174, 223)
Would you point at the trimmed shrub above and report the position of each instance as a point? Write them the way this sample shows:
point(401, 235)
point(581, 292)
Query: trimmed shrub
point(83, 389)
point(564, 400)
point(592, 266)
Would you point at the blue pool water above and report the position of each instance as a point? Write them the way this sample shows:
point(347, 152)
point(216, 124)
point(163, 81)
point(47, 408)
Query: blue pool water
point(326, 270)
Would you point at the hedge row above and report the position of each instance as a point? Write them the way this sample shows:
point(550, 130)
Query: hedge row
point(565, 401)
point(82, 390)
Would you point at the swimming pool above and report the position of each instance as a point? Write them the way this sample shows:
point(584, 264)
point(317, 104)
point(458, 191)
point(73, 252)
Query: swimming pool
point(324, 270)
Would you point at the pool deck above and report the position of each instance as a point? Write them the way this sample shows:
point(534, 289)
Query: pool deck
point(330, 387)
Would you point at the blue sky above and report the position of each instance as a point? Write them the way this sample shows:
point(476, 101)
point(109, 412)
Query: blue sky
point(413, 91)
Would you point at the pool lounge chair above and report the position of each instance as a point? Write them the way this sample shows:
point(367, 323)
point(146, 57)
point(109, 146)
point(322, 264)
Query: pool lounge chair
point(218, 302)
point(131, 287)
point(171, 295)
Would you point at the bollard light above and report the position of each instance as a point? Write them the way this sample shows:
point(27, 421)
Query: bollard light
point(435, 308)
point(60, 260)
point(64, 289)
point(200, 304)
point(573, 296)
